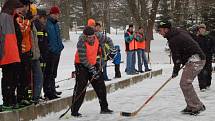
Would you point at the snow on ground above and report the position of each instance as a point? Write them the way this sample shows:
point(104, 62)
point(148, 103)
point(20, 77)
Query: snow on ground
point(165, 106)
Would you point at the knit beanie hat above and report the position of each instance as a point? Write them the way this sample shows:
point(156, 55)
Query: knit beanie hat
point(55, 10)
point(89, 31)
point(91, 22)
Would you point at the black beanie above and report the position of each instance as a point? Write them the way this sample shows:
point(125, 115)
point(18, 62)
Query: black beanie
point(88, 31)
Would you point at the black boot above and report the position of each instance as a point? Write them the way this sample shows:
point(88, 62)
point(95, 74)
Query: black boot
point(106, 111)
point(76, 114)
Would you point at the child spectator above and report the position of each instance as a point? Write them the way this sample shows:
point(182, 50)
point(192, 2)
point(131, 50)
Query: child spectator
point(117, 61)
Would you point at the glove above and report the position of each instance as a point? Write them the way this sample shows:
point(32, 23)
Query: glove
point(112, 54)
point(94, 72)
point(174, 74)
point(29, 15)
point(131, 37)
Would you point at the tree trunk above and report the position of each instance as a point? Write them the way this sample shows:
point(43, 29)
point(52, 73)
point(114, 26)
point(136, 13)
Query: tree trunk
point(106, 16)
point(86, 5)
point(144, 12)
point(134, 12)
point(65, 19)
point(151, 22)
point(178, 12)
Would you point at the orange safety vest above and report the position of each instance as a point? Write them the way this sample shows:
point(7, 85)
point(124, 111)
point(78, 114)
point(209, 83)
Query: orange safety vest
point(140, 45)
point(25, 27)
point(132, 44)
point(91, 52)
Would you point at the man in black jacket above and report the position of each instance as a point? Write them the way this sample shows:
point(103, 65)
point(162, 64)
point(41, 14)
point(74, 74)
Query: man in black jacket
point(206, 43)
point(185, 52)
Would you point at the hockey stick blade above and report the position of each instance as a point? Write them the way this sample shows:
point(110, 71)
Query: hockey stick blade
point(127, 114)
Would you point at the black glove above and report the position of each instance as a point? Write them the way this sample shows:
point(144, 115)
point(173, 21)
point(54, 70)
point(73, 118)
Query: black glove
point(94, 72)
point(112, 54)
point(174, 74)
point(29, 15)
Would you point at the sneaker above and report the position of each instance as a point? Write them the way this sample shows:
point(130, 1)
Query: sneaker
point(146, 70)
point(141, 71)
point(58, 93)
point(186, 111)
point(106, 111)
point(108, 80)
point(6, 108)
point(203, 90)
point(117, 77)
point(76, 114)
point(52, 97)
point(198, 111)
point(24, 103)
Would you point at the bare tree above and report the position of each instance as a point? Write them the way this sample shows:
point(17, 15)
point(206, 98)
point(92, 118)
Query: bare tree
point(86, 4)
point(65, 18)
point(151, 22)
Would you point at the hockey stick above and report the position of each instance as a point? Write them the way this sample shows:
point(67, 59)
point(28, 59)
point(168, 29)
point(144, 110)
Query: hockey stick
point(76, 99)
point(128, 114)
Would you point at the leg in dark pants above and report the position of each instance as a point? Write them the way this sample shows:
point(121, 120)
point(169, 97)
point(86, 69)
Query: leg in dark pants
point(117, 71)
point(9, 83)
point(50, 74)
point(82, 79)
point(24, 82)
point(82, 76)
point(100, 89)
point(204, 77)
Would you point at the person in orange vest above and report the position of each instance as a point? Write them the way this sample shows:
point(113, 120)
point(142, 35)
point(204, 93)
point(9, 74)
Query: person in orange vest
point(141, 44)
point(88, 70)
point(130, 44)
point(9, 61)
point(25, 86)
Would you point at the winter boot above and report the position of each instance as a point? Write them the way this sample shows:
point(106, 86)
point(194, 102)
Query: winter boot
point(106, 111)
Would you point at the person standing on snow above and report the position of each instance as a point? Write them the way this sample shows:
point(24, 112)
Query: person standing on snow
point(130, 45)
point(186, 52)
point(103, 57)
point(207, 44)
point(88, 48)
point(10, 59)
point(140, 40)
point(55, 46)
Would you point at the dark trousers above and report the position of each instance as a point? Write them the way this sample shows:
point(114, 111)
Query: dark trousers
point(50, 73)
point(82, 78)
point(205, 76)
point(25, 82)
point(117, 71)
point(9, 83)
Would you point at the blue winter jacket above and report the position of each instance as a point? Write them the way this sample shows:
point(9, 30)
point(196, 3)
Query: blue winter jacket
point(55, 44)
point(117, 58)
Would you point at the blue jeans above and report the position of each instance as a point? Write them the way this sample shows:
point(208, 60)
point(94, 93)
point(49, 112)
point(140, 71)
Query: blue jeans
point(38, 79)
point(105, 76)
point(131, 61)
point(142, 59)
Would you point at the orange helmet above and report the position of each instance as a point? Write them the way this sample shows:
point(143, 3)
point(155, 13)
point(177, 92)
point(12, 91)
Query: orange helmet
point(91, 22)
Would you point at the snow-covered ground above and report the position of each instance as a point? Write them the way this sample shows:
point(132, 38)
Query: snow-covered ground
point(165, 107)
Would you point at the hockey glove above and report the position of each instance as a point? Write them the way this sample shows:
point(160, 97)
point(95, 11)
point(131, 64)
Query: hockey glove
point(112, 54)
point(174, 74)
point(94, 72)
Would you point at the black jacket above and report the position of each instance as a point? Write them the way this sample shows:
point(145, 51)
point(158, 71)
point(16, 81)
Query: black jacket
point(207, 44)
point(42, 39)
point(182, 47)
